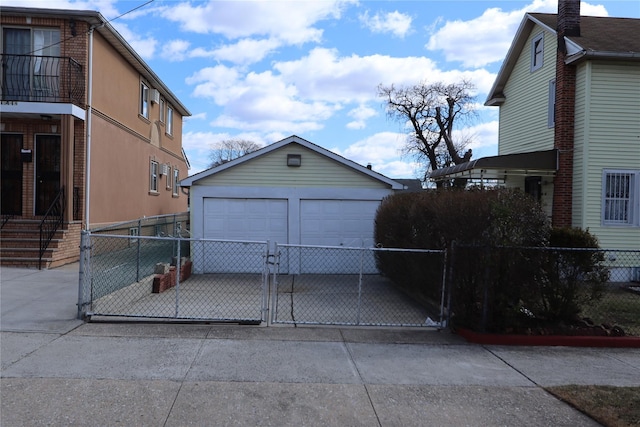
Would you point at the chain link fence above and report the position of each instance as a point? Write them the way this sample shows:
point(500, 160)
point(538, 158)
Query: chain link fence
point(543, 291)
point(487, 289)
point(160, 277)
point(173, 225)
point(343, 286)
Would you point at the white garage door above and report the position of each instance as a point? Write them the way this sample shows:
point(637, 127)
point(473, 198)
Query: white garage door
point(242, 219)
point(347, 223)
point(337, 222)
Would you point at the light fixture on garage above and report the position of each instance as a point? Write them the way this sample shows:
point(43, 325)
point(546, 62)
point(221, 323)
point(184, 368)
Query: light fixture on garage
point(294, 160)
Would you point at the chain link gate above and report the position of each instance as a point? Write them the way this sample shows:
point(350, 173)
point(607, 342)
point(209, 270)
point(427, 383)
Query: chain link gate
point(324, 285)
point(173, 278)
point(242, 281)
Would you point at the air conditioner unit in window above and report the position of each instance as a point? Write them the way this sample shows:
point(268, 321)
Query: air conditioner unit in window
point(155, 96)
point(164, 169)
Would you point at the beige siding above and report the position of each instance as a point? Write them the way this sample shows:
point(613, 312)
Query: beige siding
point(523, 115)
point(613, 131)
point(271, 170)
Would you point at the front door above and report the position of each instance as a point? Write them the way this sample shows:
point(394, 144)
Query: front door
point(11, 174)
point(47, 171)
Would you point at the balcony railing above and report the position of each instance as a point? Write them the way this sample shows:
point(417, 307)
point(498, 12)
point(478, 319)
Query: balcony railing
point(42, 79)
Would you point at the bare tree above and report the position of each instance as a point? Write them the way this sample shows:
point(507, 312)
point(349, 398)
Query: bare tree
point(431, 111)
point(229, 149)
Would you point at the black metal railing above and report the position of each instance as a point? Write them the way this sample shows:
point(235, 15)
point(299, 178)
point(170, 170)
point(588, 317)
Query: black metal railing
point(38, 78)
point(76, 204)
point(5, 219)
point(51, 222)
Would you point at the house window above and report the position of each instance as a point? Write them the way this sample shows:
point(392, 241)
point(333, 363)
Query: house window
point(620, 199)
point(551, 113)
point(169, 128)
point(176, 179)
point(153, 177)
point(31, 64)
point(537, 52)
point(169, 177)
point(144, 100)
point(162, 110)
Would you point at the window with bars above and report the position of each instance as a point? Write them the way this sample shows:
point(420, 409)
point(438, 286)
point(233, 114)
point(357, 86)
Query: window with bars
point(619, 198)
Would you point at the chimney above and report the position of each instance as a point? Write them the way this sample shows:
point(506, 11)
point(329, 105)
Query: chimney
point(568, 25)
point(568, 18)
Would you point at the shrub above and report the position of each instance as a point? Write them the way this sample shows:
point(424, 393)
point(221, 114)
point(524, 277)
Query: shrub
point(571, 278)
point(437, 219)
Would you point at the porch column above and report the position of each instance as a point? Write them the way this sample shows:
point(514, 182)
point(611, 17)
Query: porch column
point(67, 160)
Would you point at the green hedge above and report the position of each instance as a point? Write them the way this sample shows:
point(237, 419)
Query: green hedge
point(501, 271)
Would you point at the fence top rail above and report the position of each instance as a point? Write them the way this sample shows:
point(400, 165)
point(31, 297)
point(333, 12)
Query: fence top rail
point(145, 219)
point(359, 248)
point(548, 248)
point(182, 239)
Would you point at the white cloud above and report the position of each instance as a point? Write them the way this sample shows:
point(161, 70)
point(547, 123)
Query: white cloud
point(396, 23)
point(361, 114)
point(175, 50)
point(239, 19)
point(245, 51)
point(486, 39)
point(381, 150)
point(324, 75)
point(221, 83)
point(198, 116)
point(198, 145)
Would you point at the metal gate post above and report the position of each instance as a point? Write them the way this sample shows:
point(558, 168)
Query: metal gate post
point(271, 287)
point(83, 277)
point(178, 267)
point(443, 321)
point(138, 251)
point(359, 309)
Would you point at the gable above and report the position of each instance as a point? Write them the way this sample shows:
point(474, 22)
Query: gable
point(271, 170)
point(524, 112)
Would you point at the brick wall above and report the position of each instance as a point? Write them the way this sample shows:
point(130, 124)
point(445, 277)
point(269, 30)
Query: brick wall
point(568, 24)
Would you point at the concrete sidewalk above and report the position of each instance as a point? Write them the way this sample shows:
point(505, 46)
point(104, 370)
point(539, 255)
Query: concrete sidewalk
point(59, 371)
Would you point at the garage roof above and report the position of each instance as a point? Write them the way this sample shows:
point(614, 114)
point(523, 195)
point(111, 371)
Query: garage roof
point(293, 139)
point(499, 167)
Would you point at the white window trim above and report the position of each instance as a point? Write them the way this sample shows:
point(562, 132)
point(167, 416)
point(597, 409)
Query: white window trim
point(162, 109)
point(176, 177)
point(153, 176)
point(537, 65)
point(169, 178)
point(551, 106)
point(169, 120)
point(143, 109)
point(633, 219)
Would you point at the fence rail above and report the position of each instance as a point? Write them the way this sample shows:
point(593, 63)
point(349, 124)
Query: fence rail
point(258, 282)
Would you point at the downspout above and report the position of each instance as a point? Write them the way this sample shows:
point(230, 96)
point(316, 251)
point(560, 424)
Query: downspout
point(87, 185)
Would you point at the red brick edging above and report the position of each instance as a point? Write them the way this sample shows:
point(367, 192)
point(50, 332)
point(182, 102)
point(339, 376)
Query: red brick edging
point(548, 340)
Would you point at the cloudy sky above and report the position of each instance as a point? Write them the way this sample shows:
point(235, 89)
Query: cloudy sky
point(265, 70)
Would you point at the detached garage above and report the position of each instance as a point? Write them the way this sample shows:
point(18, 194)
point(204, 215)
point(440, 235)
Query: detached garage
point(292, 191)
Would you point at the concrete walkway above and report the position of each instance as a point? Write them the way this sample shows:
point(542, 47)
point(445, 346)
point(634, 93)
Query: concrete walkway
point(59, 371)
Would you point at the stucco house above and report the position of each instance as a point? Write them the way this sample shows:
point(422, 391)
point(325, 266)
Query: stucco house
point(289, 192)
point(90, 134)
point(569, 125)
